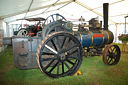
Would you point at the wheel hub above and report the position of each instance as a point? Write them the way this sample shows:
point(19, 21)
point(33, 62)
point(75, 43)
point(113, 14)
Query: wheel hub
point(112, 55)
point(62, 55)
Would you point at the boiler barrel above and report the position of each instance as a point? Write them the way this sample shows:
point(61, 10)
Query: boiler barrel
point(95, 38)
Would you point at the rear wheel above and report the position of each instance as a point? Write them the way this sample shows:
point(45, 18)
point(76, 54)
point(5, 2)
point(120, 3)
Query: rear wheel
point(59, 54)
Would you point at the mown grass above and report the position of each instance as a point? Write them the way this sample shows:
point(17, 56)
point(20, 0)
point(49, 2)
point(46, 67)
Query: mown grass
point(94, 72)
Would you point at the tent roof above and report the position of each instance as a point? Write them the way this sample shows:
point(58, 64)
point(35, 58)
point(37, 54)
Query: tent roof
point(11, 10)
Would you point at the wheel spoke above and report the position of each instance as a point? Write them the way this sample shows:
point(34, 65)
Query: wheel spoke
point(110, 50)
point(63, 41)
point(68, 43)
point(54, 45)
point(45, 53)
point(67, 65)
point(69, 40)
point(24, 33)
point(53, 67)
point(57, 39)
point(75, 45)
point(113, 49)
point(108, 58)
point(72, 52)
point(70, 62)
point(50, 21)
point(48, 59)
point(52, 17)
point(62, 67)
point(49, 64)
point(58, 68)
point(114, 56)
point(110, 61)
point(115, 53)
point(51, 49)
point(55, 29)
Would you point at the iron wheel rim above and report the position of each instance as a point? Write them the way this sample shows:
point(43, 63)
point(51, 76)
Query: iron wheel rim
point(70, 62)
point(111, 55)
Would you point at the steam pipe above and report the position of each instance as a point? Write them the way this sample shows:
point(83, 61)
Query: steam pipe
point(105, 15)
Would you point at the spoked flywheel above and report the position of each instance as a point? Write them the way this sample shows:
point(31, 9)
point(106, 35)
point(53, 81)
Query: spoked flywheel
point(59, 54)
point(53, 17)
point(53, 23)
point(111, 55)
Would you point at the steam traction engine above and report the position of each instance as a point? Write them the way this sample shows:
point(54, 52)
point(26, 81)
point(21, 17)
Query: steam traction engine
point(59, 50)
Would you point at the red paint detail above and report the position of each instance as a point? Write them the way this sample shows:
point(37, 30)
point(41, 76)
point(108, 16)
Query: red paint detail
point(30, 33)
point(98, 35)
point(38, 28)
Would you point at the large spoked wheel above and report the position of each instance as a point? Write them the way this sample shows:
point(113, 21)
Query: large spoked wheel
point(54, 17)
point(111, 55)
point(59, 54)
point(53, 23)
point(50, 28)
point(22, 33)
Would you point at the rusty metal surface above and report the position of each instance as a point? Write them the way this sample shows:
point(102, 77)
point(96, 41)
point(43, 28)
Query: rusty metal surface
point(24, 50)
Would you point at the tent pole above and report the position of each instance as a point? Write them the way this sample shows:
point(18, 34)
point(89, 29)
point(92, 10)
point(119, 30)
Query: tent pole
point(116, 33)
point(125, 25)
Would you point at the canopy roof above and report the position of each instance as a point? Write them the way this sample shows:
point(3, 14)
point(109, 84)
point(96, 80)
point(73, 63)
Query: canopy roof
point(11, 10)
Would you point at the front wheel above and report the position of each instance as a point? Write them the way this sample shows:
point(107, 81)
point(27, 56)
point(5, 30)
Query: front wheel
point(111, 55)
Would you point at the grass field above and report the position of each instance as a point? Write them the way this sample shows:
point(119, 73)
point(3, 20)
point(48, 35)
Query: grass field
point(94, 72)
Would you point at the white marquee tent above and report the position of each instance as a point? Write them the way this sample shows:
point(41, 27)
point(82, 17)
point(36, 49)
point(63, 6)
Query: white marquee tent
point(11, 10)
